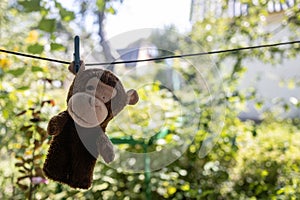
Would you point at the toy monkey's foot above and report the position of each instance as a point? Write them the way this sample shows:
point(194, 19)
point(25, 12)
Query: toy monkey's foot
point(74, 182)
point(78, 177)
point(55, 173)
point(80, 181)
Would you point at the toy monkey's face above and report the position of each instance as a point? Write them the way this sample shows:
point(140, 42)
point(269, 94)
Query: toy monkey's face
point(87, 107)
point(96, 96)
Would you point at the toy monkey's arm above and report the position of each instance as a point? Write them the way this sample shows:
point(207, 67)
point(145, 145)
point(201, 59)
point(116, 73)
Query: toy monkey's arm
point(105, 148)
point(57, 123)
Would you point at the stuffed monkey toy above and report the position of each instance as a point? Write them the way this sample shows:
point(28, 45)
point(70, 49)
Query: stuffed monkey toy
point(78, 134)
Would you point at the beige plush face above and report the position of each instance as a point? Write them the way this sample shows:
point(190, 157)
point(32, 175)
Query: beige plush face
point(97, 95)
point(88, 108)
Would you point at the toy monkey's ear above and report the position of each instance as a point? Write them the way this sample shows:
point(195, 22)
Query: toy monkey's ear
point(132, 97)
point(72, 68)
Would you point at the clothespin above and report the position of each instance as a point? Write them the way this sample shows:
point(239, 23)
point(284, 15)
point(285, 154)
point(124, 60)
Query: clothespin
point(76, 53)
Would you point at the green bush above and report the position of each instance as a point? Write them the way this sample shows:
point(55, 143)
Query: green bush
point(267, 165)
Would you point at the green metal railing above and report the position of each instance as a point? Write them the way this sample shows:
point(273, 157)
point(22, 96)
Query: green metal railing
point(145, 144)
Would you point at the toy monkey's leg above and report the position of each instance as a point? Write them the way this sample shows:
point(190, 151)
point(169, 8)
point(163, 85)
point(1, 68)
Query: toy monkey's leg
point(58, 161)
point(57, 123)
point(57, 164)
point(84, 157)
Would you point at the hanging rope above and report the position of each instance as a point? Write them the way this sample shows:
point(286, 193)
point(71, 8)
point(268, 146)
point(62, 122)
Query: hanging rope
point(157, 58)
point(34, 57)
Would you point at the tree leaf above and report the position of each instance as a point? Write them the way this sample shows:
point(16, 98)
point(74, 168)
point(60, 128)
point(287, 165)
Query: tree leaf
point(22, 88)
point(48, 25)
point(19, 164)
point(66, 15)
point(36, 69)
point(31, 6)
point(23, 177)
point(22, 171)
point(101, 5)
point(111, 10)
point(35, 49)
point(57, 47)
point(25, 128)
point(17, 72)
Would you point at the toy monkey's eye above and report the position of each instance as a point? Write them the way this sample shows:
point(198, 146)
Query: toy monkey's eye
point(90, 87)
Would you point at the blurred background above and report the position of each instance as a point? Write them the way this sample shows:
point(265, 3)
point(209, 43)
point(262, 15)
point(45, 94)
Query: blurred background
point(221, 126)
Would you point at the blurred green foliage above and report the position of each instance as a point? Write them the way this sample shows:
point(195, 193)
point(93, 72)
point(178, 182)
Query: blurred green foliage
point(247, 160)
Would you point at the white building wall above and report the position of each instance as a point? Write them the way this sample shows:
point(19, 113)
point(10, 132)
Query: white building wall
point(273, 82)
point(266, 78)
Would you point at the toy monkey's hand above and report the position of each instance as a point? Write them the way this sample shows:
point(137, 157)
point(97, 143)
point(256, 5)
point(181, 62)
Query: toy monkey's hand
point(57, 123)
point(106, 148)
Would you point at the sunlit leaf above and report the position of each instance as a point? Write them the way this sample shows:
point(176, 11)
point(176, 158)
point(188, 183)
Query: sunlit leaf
point(280, 191)
point(111, 10)
point(171, 190)
point(185, 187)
point(156, 87)
point(264, 173)
point(192, 148)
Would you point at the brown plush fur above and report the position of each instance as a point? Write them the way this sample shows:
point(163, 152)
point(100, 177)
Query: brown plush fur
point(69, 160)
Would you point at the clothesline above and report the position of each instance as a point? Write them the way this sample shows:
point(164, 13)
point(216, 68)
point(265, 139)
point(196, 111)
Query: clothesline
point(156, 58)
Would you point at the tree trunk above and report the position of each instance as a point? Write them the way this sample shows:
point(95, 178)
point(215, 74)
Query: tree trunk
point(103, 42)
